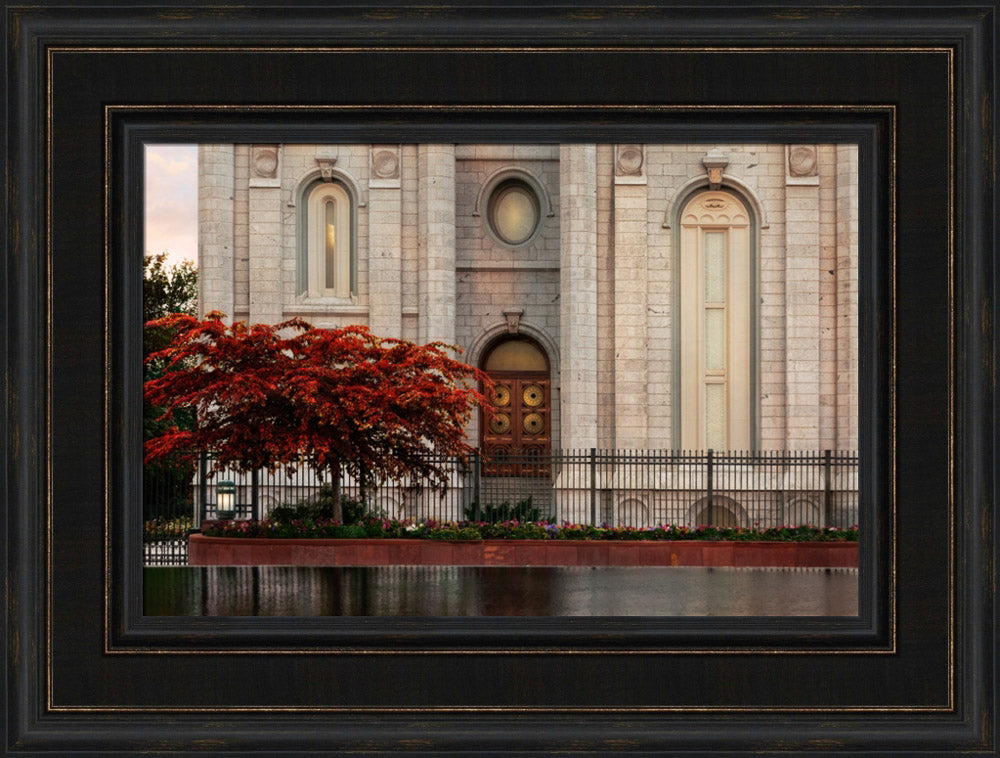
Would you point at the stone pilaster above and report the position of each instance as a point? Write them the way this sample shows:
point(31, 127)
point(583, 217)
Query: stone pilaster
point(436, 222)
point(802, 295)
point(385, 242)
point(828, 296)
point(215, 229)
point(578, 294)
point(847, 297)
point(265, 246)
point(631, 364)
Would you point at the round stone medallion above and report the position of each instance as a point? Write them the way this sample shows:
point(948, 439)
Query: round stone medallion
point(265, 163)
point(385, 164)
point(629, 160)
point(802, 160)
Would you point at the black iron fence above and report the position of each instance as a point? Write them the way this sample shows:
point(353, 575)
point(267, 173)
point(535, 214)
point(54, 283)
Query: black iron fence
point(166, 490)
point(618, 487)
point(172, 552)
point(614, 487)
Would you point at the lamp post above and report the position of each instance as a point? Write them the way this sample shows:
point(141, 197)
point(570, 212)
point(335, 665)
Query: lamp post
point(225, 499)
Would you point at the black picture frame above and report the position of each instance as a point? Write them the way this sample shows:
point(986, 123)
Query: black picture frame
point(86, 86)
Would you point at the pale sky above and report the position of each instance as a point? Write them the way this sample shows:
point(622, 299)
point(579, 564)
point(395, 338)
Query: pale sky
point(171, 203)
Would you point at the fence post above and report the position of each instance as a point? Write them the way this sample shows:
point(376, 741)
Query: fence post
point(593, 486)
point(710, 486)
point(476, 487)
point(202, 487)
point(827, 488)
point(255, 494)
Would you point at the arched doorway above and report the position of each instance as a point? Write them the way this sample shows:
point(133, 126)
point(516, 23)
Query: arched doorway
point(521, 427)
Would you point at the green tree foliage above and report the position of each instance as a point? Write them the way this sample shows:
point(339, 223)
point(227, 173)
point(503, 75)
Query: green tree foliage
point(166, 289)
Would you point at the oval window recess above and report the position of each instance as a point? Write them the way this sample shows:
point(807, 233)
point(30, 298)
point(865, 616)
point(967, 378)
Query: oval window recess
point(514, 212)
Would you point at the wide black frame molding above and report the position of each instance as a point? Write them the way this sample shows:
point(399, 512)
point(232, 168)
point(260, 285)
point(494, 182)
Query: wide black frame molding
point(917, 674)
point(130, 129)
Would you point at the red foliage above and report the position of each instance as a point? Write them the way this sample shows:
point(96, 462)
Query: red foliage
point(269, 396)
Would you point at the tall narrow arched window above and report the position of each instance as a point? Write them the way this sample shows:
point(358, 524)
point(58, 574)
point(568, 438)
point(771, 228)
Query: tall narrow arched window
point(716, 324)
point(327, 258)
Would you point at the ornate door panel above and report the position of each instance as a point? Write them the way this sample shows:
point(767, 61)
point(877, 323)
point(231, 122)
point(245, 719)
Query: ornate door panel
point(520, 429)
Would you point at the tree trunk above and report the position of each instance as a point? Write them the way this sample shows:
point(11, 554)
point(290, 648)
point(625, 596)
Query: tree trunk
point(338, 512)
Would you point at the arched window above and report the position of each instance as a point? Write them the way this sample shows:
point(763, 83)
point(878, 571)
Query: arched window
point(718, 511)
point(632, 511)
point(715, 334)
point(327, 266)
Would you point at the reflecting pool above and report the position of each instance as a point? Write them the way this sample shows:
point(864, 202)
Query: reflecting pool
point(499, 591)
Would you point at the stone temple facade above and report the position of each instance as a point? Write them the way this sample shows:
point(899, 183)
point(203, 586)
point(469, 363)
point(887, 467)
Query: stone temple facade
point(623, 297)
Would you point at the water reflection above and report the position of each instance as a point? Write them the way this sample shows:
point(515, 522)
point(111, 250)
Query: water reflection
point(498, 591)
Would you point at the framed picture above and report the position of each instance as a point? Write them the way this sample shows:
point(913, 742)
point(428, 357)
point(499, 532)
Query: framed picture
point(514, 299)
point(912, 90)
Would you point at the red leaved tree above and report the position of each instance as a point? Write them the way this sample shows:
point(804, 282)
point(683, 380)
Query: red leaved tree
point(342, 401)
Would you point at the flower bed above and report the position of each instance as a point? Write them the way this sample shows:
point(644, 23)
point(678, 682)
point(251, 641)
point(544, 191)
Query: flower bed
point(515, 544)
point(515, 530)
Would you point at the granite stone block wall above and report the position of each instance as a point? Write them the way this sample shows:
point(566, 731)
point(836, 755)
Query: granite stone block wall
point(597, 285)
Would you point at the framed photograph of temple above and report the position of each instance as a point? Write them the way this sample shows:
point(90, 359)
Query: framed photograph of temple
point(667, 342)
point(717, 275)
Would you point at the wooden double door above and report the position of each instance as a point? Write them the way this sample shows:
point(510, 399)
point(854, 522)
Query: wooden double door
point(519, 431)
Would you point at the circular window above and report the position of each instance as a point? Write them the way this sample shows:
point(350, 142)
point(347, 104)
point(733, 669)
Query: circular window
point(514, 212)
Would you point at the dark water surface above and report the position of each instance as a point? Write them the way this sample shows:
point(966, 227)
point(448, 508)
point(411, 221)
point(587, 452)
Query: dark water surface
point(498, 591)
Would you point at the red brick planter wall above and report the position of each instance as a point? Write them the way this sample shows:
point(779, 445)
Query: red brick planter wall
point(232, 551)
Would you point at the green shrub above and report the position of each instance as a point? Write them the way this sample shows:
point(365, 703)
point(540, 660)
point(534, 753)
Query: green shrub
point(522, 511)
point(465, 530)
point(320, 507)
point(517, 530)
point(452, 531)
point(350, 531)
point(284, 514)
point(469, 533)
point(166, 490)
point(163, 530)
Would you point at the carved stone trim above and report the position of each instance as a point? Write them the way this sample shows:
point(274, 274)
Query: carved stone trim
point(384, 167)
point(513, 317)
point(803, 160)
point(696, 183)
point(264, 160)
point(326, 164)
point(265, 163)
point(629, 160)
point(715, 162)
point(385, 163)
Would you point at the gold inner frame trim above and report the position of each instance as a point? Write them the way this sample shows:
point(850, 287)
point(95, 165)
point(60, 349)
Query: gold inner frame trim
point(866, 108)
